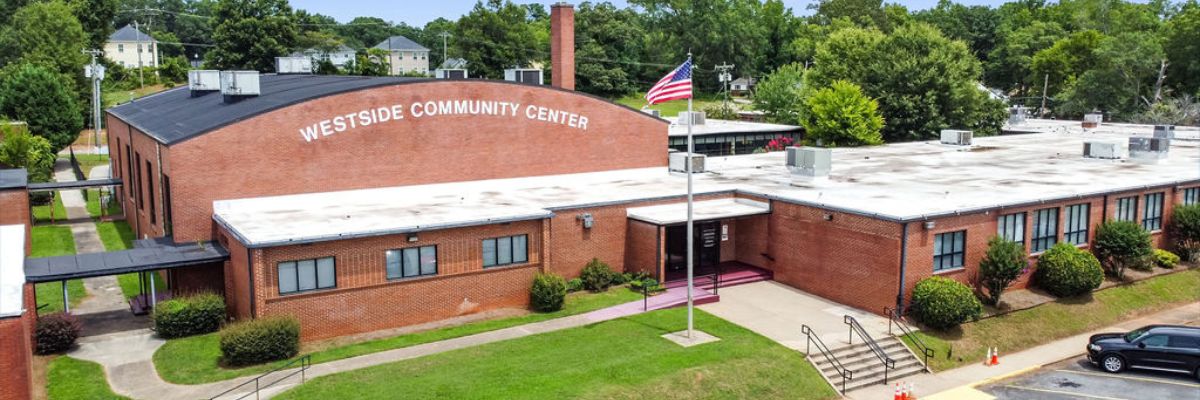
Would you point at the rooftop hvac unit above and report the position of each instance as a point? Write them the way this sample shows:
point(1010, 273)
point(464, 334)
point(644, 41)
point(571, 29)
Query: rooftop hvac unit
point(1017, 114)
point(524, 75)
point(956, 137)
point(450, 73)
point(698, 117)
point(677, 162)
point(1092, 120)
point(293, 65)
point(236, 85)
point(653, 112)
point(1101, 149)
point(201, 81)
point(811, 162)
point(1164, 131)
point(1149, 148)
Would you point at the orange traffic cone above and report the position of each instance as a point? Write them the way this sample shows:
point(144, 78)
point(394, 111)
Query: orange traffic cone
point(996, 356)
point(987, 360)
point(899, 396)
point(912, 391)
point(903, 392)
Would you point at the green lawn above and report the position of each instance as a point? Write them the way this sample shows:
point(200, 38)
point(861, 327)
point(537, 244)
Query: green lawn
point(42, 213)
point(117, 235)
point(93, 204)
point(89, 161)
point(196, 359)
point(111, 97)
point(668, 109)
point(49, 241)
point(69, 378)
point(1066, 317)
point(620, 359)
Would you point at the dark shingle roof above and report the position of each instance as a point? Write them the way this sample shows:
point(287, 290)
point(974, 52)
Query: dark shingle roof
point(128, 34)
point(172, 116)
point(400, 43)
point(13, 178)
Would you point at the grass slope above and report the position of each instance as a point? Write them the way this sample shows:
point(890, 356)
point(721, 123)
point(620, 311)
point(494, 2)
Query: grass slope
point(69, 378)
point(43, 213)
point(1066, 317)
point(93, 205)
point(49, 241)
point(196, 359)
point(89, 161)
point(620, 359)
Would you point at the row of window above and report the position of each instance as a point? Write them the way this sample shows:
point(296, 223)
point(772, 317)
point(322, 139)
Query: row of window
point(1152, 210)
point(121, 47)
point(321, 273)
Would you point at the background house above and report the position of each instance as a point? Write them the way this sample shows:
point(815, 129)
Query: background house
point(130, 48)
point(405, 56)
point(339, 57)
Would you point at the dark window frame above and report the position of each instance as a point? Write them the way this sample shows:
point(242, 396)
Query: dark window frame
point(128, 168)
point(1077, 233)
point(150, 192)
point(316, 275)
point(512, 260)
point(1043, 239)
point(400, 260)
point(1152, 212)
point(944, 255)
point(1006, 224)
point(1191, 196)
point(1126, 209)
point(138, 164)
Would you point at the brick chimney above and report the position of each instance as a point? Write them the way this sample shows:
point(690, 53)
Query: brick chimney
point(562, 45)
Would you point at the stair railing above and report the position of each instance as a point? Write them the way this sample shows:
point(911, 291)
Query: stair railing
point(846, 374)
point(305, 363)
point(894, 318)
point(856, 328)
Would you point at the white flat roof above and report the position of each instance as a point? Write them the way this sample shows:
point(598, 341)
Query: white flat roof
point(904, 181)
point(12, 270)
point(675, 213)
point(720, 126)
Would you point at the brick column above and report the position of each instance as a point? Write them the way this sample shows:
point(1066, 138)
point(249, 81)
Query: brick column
point(562, 45)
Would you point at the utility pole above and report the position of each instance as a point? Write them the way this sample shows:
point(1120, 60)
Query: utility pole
point(1045, 85)
point(141, 81)
point(96, 72)
point(444, 36)
point(724, 77)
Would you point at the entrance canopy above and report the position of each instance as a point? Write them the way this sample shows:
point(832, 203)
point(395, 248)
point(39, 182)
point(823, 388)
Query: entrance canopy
point(92, 183)
point(148, 255)
point(708, 210)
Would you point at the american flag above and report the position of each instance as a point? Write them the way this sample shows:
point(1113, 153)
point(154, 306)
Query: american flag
point(675, 86)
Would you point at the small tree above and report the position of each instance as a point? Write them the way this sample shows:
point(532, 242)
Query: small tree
point(548, 293)
point(779, 94)
point(19, 149)
point(1122, 244)
point(1004, 263)
point(42, 99)
point(1185, 231)
point(841, 115)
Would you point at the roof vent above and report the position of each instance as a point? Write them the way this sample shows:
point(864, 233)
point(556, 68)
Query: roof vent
point(652, 112)
point(524, 75)
point(678, 162)
point(450, 73)
point(1017, 114)
point(957, 137)
point(1101, 149)
point(1092, 120)
point(203, 81)
point(1164, 131)
point(1149, 149)
point(698, 117)
point(809, 162)
point(293, 65)
point(238, 85)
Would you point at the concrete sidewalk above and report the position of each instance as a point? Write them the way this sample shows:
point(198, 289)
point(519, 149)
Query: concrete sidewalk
point(958, 383)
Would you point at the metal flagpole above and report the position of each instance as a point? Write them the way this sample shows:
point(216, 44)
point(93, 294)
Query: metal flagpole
point(691, 250)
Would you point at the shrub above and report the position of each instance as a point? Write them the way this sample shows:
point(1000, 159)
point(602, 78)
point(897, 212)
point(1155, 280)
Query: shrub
point(1004, 263)
point(1065, 270)
point(56, 332)
point(260, 340)
point(621, 278)
point(575, 285)
point(596, 276)
point(189, 315)
point(841, 115)
point(1185, 231)
point(1122, 244)
point(943, 303)
point(548, 293)
point(1165, 259)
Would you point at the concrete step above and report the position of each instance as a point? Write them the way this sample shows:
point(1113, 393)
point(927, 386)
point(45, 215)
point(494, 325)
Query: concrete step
point(894, 376)
point(860, 349)
point(866, 370)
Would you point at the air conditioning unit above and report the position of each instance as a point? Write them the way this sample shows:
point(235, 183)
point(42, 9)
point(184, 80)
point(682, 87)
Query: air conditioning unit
point(1017, 115)
point(524, 75)
point(201, 81)
point(450, 73)
point(1092, 120)
point(698, 117)
point(1149, 148)
point(1101, 149)
point(956, 137)
point(236, 85)
point(293, 65)
point(1164, 131)
point(809, 162)
point(677, 162)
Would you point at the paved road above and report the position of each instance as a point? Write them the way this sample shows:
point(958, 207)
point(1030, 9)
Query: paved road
point(1077, 379)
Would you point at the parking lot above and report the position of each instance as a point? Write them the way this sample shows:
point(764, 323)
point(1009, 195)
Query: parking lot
point(1078, 379)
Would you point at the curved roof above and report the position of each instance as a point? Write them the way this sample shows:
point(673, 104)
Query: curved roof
point(174, 115)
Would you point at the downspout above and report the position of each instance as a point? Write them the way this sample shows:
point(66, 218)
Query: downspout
point(250, 270)
point(1104, 210)
point(903, 267)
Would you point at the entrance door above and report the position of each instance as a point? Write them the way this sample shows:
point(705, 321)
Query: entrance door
point(707, 250)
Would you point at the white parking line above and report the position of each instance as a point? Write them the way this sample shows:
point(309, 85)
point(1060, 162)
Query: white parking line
point(1132, 378)
point(1065, 393)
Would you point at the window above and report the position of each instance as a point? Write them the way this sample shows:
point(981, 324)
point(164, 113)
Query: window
point(412, 262)
point(1012, 227)
point(948, 250)
point(1155, 341)
point(1045, 229)
point(139, 47)
point(305, 275)
point(150, 189)
point(505, 251)
point(1126, 209)
point(129, 170)
point(1191, 196)
point(138, 165)
point(1153, 211)
point(1077, 224)
point(120, 48)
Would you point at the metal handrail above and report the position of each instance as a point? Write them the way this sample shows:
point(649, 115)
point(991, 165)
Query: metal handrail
point(894, 316)
point(837, 364)
point(855, 327)
point(305, 364)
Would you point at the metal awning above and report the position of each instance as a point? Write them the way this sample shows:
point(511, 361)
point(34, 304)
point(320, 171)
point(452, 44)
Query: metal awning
point(147, 255)
point(708, 210)
point(91, 183)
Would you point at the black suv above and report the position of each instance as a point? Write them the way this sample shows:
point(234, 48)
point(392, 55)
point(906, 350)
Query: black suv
point(1157, 347)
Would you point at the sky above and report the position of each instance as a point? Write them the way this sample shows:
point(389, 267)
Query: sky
point(417, 13)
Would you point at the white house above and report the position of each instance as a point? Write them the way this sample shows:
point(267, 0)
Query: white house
point(131, 48)
point(742, 85)
point(339, 57)
point(405, 55)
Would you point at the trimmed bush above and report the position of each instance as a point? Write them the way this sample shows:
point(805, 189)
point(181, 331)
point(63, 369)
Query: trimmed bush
point(548, 293)
point(1185, 231)
point(260, 340)
point(943, 303)
point(190, 315)
point(621, 279)
point(1165, 259)
point(597, 276)
point(1120, 245)
point(1067, 271)
point(1004, 263)
point(56, 333)
point(575, 285)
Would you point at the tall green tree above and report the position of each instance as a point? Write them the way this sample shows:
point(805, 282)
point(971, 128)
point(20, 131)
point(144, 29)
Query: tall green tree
point(249, 34)
point(715, 32)
point(38, 96)
point(840, 115)
point(1182, 47)
point(46, 34)
point(1069, 57)
point(96, 17)
point(780, 95)
point(362, 32)
point(1122, 80)
point(431, 37)
point(975, 25)
point(19, 149)
point(1010, 63)
point(498, 35)
point(608, 42)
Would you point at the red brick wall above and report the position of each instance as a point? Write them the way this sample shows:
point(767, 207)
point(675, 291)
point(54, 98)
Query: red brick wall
point(643, 248)
point(142, 149)
point(16, 211)
point(266, 155)
point(16, 335)
point(198, 278)
point(237, 277)
point(365, 300)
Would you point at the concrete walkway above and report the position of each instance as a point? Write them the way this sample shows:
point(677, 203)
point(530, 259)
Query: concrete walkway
point(958, 383)
point(127, 356)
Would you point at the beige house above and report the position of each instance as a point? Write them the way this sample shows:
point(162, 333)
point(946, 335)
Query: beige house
point(405, 56)
point(130, 48)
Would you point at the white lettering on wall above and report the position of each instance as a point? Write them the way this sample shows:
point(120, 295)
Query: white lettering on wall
point(439, 108)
